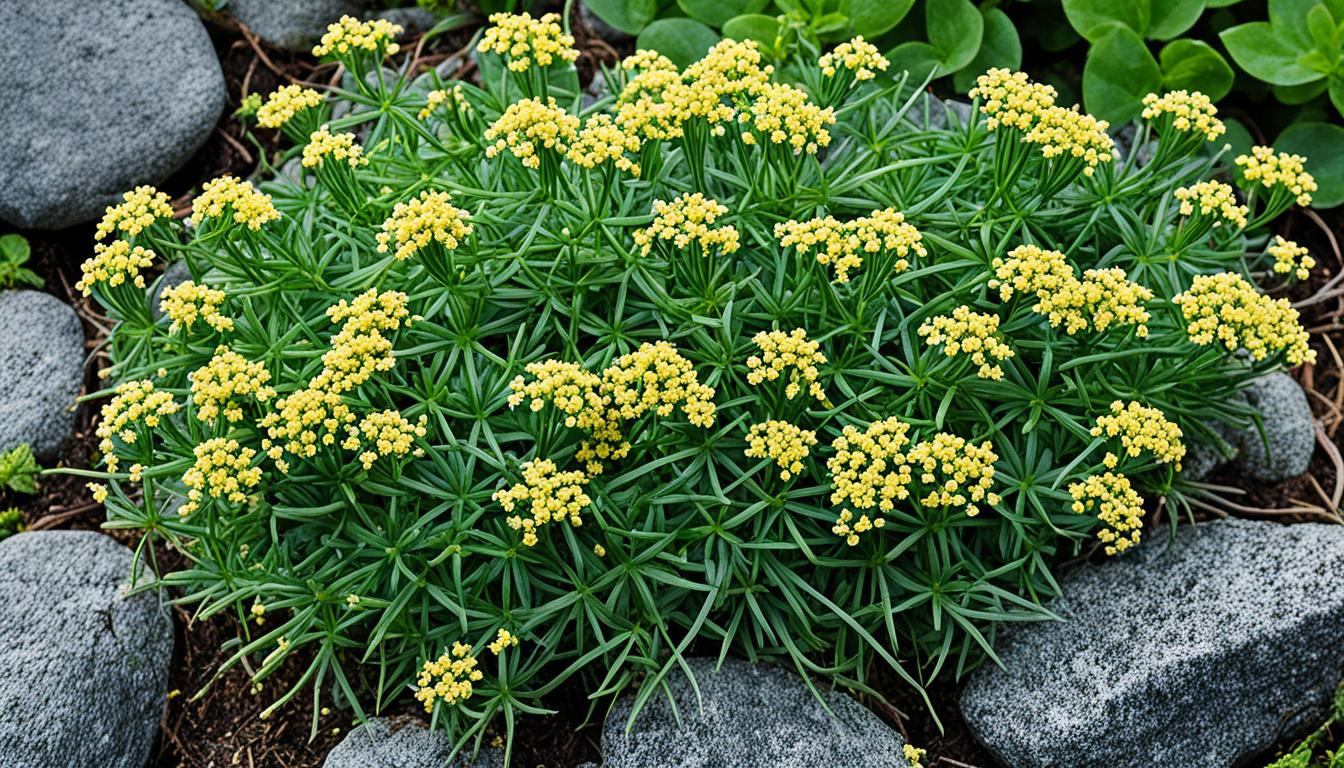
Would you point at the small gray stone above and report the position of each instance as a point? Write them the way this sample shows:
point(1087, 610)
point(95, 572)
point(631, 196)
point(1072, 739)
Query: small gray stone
point(402, 743)
point(413, 20)
point(86, 668)
point(294, 25)
point(1205, 453)
point(939, 110)
point(98, 98)
point(1198, 652)
point(748, 716)
point(1289, 428)
point(41, 371)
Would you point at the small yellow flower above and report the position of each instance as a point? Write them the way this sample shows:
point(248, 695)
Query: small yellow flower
point(688, 219)
point(548, 495)
point(1212, 197)
point(1290, 257)
point(285, 103)
point(437, 98)
point(969, 333)
point(339, 147)
point(1064, 132)
point(913, 755)
point(1226, 308)
point(223, 469)
point(1140, 428)
point(385, 433)
point(602, 141)
point(350, 34)
point(1115, 503)
point(790, 352)
point(448, 678)
point(504, 639)
point(188, 302)
point(599, 550)
point(1010, 99)
point(217, 385)
point(429, 217)
point(114, 264)
point(1186, 111)
point(137, 210)
point(134, 402)
point(98, 490)
point(843, 246)
point(858, 56)
point(249, 207)
point(524, 41)
point(782, 114)
point(530, 126)
point(785, 443)
point(1279, 170)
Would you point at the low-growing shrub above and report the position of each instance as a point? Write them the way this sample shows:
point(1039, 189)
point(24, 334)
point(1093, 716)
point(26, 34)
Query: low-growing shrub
point(490, 390)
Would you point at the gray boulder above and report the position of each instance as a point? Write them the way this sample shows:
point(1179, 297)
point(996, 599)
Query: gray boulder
point(748, 716)
point(86, 667)
point(1198, 652)
point(295, 25)
point(1289, 429)
point(403, 743)
point(1205, 453)
point(99, 97)
point(41, 371)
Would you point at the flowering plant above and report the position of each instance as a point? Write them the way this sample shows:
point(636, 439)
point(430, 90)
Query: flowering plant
point(494, 389)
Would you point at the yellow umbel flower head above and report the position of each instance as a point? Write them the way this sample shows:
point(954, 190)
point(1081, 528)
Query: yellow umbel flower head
point(114, 264)
point(969, 333)
point(688, 219)
point(187, 302)
point(1101, 299)
point(1140, 428)
point(429, 217)
point(133, 403)
point(783, 442)
point(602, 141)
point(655, 379)
point(1212, 198)
point(783, 115)
point(216, 386)
point(437, 98)
point(1184, 111)
point(842, 246)
point(137, 210)
point(1280, 170)
point(226, 193)
point(448, 678)
point(1064, 132)
point(545, 495)
point(503, 639)
point(1115, 503)
point(223, 469)
point(1010, 99)
point(790, 352)
point(323, 145)
point(525, 41)
point(868, 473)
point(529, 126)
point(385, 433)
point(913, 755)
point(1226, 308)
point(286, 102)
point(350, 34)
point(1030, 269)
point(732, 70)
point(1290, 257)
point(858, 56)
point(956, 473)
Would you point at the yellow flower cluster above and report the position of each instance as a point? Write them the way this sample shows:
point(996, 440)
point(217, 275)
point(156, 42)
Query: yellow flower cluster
point(250, 207)
point(858, 56)
point(656, 378)
point(448, 678)
point(525, 40)
point(1226, 308)
point(1116, 504)
point(1068, 132)
point(601, 141)
point(1286, 255)
point(792, 352)
point(224, 469)
point(970, 333)
point(688, 218)
point(503, 639)
point(549, 495)
point(782, 114)
point(1282, 169)
point(1140, 428)
point(187, 302)
point(648, 105)
point(216, 385)
point(1212, 197)
point(429, 217)
point(567, 386)
point(436, 98)
point(842, 245)
point(1031, 269)
point(868, 470)
point(340, 147)
point(386, 433)
point(132, 402)
point(656, 103)
point(137, 210)
point(113, 264)
point(1011, 99)
point(1191, 112)
point(914, 755)
point(646, 60)
point(286, 102)
point(1102, 298)
point(529, 125)
point(786, 443)
point(957, 473)
point(351, 34)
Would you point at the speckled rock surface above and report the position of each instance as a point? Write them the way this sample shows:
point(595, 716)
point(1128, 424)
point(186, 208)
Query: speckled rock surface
point(98, 97)
point(86, 669)
point(1206, 453)
point(1289, 427)
point(386, 743)
point(1197, 655)
point(295, 25)
point(41, 371)
point(750, 716)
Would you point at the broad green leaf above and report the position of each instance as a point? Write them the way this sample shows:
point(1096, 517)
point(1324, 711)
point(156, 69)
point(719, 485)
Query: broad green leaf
point(1289, 19)
point(1220, 3)
point(14, 249)
point(1119, 72)
point(1323, 146)
point(1000, 47)
point(1194, 65)
point(1267, 56)
point(684, 41)
point(1172, 17)
point(628, 16)
point(1294, 95)
point(955, 28)
point(1337, 92)
point(919, 59)
point(1091, 17)
point(1324, 35)
point(754, 26)
point(871, 18)
point(716, 13)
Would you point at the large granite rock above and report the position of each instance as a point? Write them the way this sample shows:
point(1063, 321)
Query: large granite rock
point(86, 668)
point(295, 25)
point(98, 97)
point(386, 743)
point(41, 371)
point(1199, 652)
point(1289, 428)
point(748, 716)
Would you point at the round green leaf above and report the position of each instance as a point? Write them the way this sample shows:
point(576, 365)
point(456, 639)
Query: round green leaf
point(1172, 17)
point(14, 249)
point(1091, 17)
point(1295, 95)
point(1323, 146)
point(684, 41)
point(955, 28)
point(716, 13)
point(871, 18)
point(1194, 65)
point(628, 16)
point(919, 59)
point(1119, 72)
point(1000, 47)
point(753, 26)
point(1337, 92)
point(1266, 55)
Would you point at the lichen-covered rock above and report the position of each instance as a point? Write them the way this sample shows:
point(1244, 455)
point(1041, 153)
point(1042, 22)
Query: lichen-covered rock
point(387, 743)
point(1205, 453)
point(1197, 652)
point(41, 371)
point(1289, 428)
point(748, 716)
point(99, 97)
point(85, 667)
point(295, 25)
